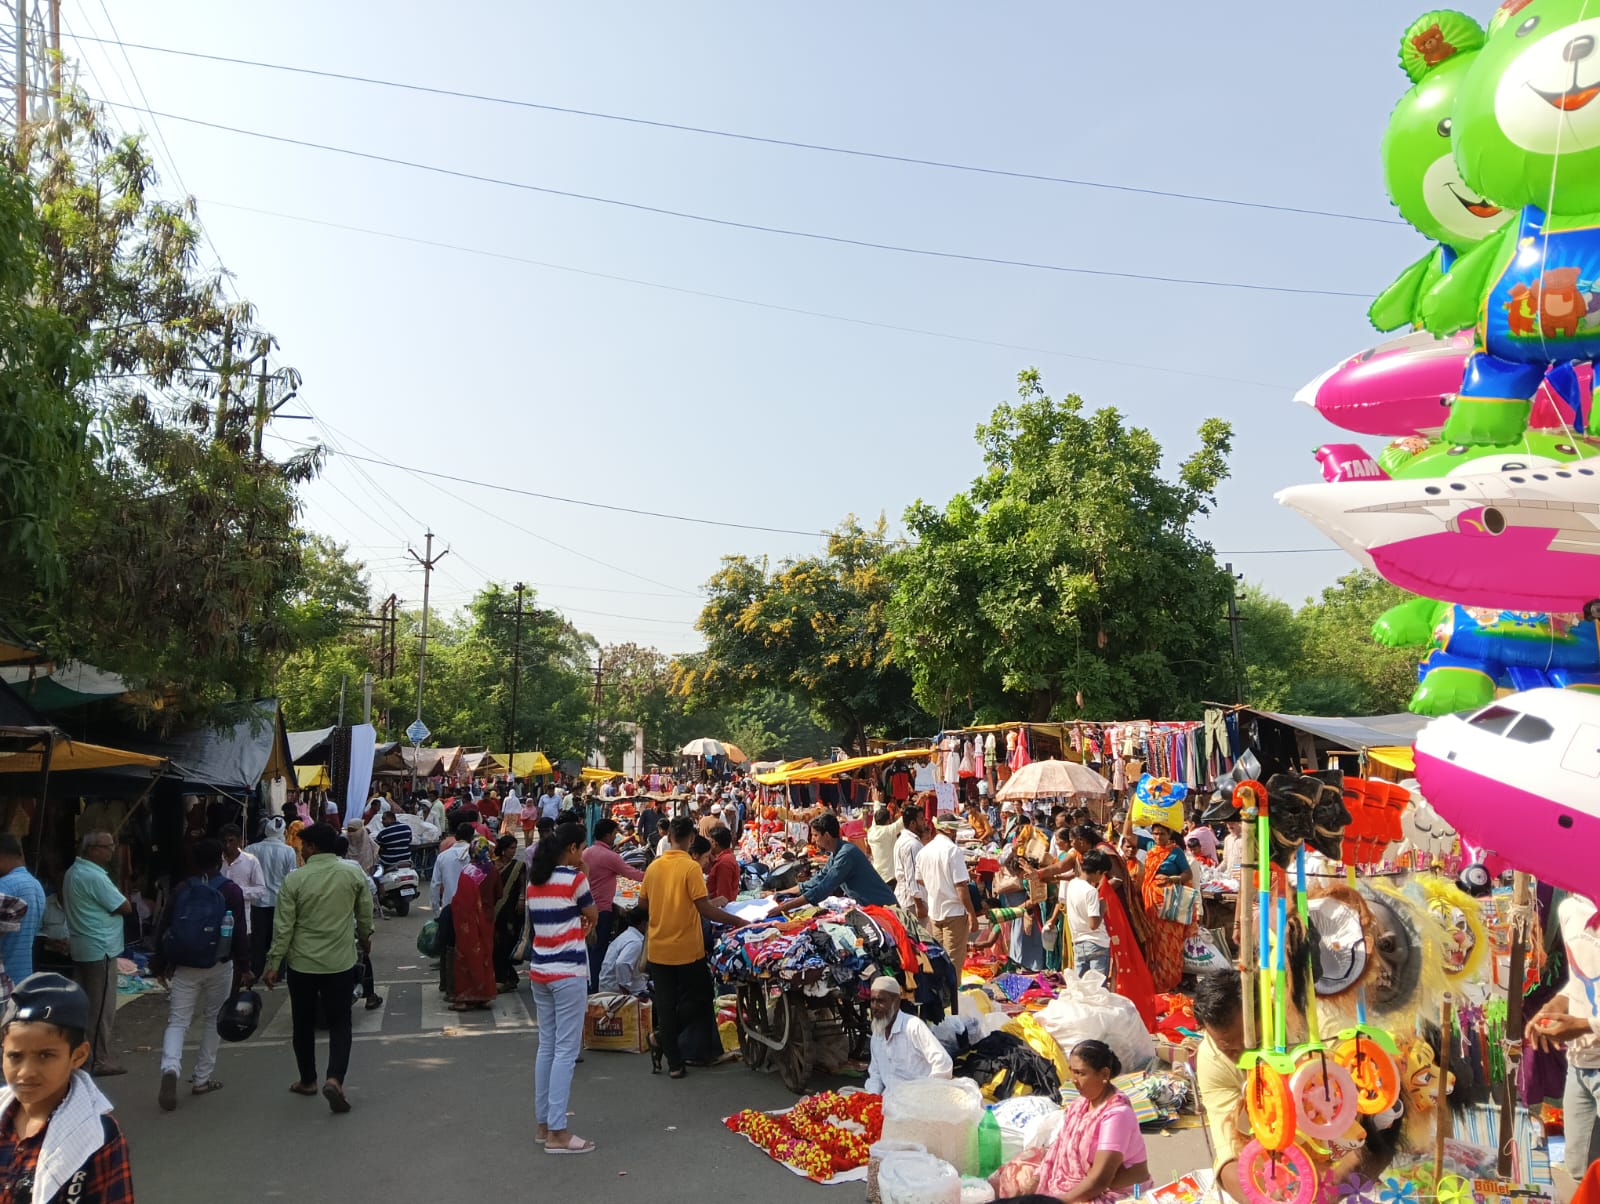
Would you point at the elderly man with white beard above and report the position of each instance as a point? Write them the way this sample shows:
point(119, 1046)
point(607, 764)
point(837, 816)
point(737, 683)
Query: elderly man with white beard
point(903, 1046)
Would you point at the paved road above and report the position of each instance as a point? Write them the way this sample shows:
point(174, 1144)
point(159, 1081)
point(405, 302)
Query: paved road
point(442, 1108)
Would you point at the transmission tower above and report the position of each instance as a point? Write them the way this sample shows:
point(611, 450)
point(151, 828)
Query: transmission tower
point(30, 60)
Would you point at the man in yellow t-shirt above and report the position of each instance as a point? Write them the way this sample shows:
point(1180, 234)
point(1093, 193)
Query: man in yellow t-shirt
point(1219, 1011)
point(675, 946)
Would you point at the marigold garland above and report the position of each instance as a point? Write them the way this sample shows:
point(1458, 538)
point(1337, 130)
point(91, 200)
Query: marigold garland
point(822, 1135)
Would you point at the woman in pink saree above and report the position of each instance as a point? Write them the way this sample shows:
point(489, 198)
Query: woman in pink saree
point(1098, 1155)
point(472, 911)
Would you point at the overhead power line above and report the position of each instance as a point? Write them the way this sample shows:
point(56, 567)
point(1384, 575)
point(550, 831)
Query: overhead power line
point(507, 257)
point(729, 223)
point(573, 501)
point(764, 140)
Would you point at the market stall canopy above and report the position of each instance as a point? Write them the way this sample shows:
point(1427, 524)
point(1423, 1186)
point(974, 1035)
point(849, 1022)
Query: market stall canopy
point(704, 747)
point(59, 686)
point(1396, 757)
point(481, 762)
point(248, 745)
point(527, 764)
point(590, 773)
point(1357, 732)
point(1054, 779)
point(425, 762)
point(310, 747)
point(18, 649)
point(734, 753)
point(832, 769)
point(68, 756)
point(312, 777)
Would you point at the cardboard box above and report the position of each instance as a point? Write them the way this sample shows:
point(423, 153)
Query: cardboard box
point(618, 1022)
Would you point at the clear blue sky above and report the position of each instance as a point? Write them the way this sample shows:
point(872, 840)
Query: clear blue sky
point(587, 387)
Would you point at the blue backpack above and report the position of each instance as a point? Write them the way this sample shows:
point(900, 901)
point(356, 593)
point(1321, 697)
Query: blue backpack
point(194, 938)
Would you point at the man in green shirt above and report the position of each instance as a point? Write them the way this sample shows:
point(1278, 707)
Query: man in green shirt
point(95, 908)
point(324, 912)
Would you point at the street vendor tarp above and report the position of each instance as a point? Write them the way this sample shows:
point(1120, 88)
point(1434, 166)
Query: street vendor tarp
point(527, 764)
point(312, 777)
point(69, 756)
point(591, 774)
point(1359, 732)
point(831, 769)
point(476, 763)
point(1399, 757)
point(53, 686)
point(307, 748)
point(233, 757)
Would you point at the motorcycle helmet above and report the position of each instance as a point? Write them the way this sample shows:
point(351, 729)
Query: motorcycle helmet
point(240, 1014)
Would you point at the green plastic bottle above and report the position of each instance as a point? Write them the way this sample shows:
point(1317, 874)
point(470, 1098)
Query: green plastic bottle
point(989, 1148)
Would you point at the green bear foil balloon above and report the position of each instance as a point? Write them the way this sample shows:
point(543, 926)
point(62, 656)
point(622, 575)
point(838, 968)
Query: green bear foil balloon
point(1419, 168)
point(1526, 129)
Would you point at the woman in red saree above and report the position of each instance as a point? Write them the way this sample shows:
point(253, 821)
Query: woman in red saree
point(472, 911)
point(1164, 865)
point(1130, 976)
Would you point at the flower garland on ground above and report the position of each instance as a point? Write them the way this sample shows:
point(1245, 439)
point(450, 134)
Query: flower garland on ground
point(822, 1136)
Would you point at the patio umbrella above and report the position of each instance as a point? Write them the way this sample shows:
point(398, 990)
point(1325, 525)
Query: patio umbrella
point(734, 753)
point(1053, 779)
point(704, 747)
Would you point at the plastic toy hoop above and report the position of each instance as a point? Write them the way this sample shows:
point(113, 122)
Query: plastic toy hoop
point(1373, 1072)
point(1271, 1107)
point(1276, 1176)
point(1325, 1098)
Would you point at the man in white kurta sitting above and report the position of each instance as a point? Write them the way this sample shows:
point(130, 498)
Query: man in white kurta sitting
point(903, 1046)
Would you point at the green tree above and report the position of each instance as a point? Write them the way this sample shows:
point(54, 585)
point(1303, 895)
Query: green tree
point(46, 446)
point(817, 627)
point(1345, 671)
point(182, 539)
point(1270, 639)
point(555, 691)
point(1066, 581)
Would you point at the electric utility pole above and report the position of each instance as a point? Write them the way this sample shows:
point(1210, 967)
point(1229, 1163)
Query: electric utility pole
point(1234, 619)
point(594, 720)
point(419, 730)
point(516, 676)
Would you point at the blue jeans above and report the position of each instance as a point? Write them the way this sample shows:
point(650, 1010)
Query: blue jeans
point(1086, 957)
point(559, 1006)
point(1578, 1103)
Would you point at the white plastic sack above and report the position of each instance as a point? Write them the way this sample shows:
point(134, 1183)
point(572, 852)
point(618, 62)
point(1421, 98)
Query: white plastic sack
point(1016, 1115)
point(1201, 955)
point(1086, 1011)
point(1041, 1131)
point(942, 1114)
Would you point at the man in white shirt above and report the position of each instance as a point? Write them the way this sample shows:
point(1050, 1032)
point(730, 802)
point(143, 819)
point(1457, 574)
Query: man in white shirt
point(907, 890)
point(511, 814)
point(903, 1047)
point(243, 870)
point(1232, 850)
point(1091, 944)
point(881, 839)
point(942, 871)
point(549, 804)
point(1572, 1018)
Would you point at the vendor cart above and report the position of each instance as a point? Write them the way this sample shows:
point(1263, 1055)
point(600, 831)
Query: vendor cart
point(785, 1027)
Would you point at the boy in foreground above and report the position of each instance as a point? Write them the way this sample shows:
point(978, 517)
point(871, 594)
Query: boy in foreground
point(57, 1138)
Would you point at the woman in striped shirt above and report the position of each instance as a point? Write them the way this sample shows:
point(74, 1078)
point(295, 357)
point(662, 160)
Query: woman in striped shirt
point(561, 912)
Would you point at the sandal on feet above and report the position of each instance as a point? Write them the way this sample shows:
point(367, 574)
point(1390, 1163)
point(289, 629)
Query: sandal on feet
point(205, 1088)
point(334, 1094)
point(679, 1073)
point(303, 1088)
point(572, 1145)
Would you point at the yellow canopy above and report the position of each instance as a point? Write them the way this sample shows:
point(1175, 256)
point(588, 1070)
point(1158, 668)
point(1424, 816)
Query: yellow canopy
point(69, 755)
point(590, 774)
point(526, 764)
point(312, 777)
point(1397, 756)
point(832, 769)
